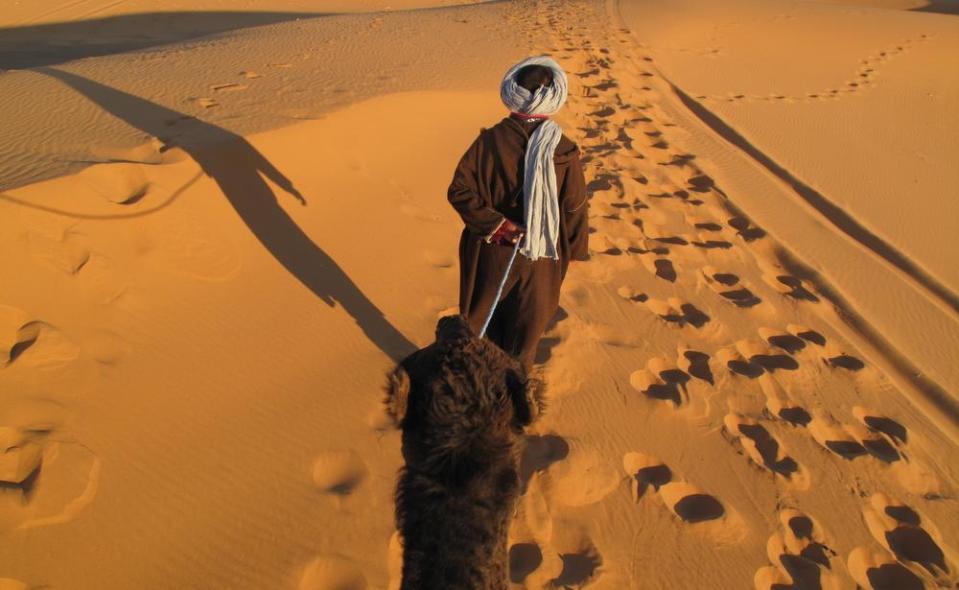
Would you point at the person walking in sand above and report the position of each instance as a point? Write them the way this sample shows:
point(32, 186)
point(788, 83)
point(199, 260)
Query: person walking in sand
point(521, 181)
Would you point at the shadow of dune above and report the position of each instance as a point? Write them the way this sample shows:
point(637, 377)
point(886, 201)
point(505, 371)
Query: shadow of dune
point(33, 46)
point(939, 6)
point(238, 169)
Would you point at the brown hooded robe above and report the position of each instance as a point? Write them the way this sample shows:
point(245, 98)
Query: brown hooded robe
point(487, 186)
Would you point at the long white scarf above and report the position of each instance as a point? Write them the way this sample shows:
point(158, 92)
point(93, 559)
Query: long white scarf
point(540, 194)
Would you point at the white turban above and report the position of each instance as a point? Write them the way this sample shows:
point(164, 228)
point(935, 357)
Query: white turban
point(540, 194)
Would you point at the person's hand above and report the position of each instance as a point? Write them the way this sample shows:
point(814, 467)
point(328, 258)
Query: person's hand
point(508, 234)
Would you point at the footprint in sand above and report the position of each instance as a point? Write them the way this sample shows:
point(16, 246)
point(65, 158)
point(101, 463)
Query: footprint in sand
point(695, 363)
point(611, 246)
point(830, 353)
point(879, 570)
point(609, 211)
point(631, 294)
point(150, 151)
point(874, 420)
point(703, 223)
point(675, 311)
point(603, 113)
point(206, 102)
point(662, 379)
point(683, 499)
point(662, 223)
point(760, 446)
point(32, 343)
point(875, 442)
point(852, 440)
point(729, 287)
point(680, 161)
point(646, 246)
point(770, 360)
point(806, 334)
point(661, 267)
point(332, 573)
point(549, 553)
point(571, 560)
point(836, 358)
point(745, 229)
point(583, 477)
point(121, 183)
point(801, 559)
point(790, 286)
point(438, 259)
point(338, 472)
point(21, 452)
point(738, 364)
point(614, 336)
point(581, 562)
point(602, 182)
point(228, 87)
point(17, 334)
point(779, 403)
point(901, 530)
point(524, 559)
point(706, 242)
point(646, 472)
point(701, 183)
point(691, 505)
point(785, 341)
point(752, 358)
point(540, 452)
point(43, 480)
point(886, 439)
point(67, 251)
point(662, 235)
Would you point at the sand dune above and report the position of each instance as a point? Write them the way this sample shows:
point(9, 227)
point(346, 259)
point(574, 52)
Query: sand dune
point(63, 11)
point(216, 241)
point(223, 73)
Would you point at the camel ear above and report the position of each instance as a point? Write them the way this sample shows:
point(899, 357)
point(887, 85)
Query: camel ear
point(397, 394)
point(525, 394)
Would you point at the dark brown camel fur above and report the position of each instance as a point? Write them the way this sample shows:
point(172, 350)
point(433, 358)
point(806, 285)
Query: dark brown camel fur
point(462, 404)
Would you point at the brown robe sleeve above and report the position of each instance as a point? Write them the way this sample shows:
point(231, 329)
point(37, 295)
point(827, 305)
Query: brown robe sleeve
point(576, 209)
point(466, 197)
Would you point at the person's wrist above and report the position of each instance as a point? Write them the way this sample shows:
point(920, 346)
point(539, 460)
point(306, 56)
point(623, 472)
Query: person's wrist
point(496, 233)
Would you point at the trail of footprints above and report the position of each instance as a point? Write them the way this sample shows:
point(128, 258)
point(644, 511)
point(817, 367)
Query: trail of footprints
point(908, 556)
point(800, 557)
point(652, 204)
point(864, 78)
point(686, 501)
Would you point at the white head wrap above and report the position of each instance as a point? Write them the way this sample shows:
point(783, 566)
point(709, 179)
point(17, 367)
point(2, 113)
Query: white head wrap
point(540, 194)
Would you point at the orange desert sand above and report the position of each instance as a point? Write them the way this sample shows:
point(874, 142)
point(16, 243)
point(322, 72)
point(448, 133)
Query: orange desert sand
point(753, 383)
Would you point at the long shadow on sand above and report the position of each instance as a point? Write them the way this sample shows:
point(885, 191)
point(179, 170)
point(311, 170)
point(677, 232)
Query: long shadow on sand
point(236, 166)
point(939, 6)
point(49, 44)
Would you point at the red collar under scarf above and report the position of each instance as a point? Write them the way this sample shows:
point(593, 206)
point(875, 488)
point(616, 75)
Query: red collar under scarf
point(526, 117)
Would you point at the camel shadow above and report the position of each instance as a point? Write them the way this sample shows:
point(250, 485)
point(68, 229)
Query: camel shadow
point(238, 169)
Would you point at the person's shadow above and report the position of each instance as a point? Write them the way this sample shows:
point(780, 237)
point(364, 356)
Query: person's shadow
point(236, 167)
